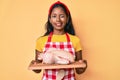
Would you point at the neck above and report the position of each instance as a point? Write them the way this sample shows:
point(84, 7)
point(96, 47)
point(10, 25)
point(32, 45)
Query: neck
point(58, 32)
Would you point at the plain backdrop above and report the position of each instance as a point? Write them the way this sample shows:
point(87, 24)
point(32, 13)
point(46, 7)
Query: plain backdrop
point(97, 24)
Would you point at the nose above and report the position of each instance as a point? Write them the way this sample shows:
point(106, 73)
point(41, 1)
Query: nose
point(58, 19)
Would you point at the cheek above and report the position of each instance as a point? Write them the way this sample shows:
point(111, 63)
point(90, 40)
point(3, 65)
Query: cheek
point(64, 20)
point(52, 21)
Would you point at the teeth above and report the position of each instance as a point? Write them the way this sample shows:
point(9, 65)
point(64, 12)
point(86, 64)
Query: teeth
point(59, 24)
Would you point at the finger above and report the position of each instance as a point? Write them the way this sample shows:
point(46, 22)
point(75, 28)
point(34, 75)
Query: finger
point(81, 61)
point(32, 61)
point(85, 61)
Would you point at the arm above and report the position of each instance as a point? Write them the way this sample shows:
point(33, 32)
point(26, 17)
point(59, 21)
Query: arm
point(79, 58)
point(37, 61)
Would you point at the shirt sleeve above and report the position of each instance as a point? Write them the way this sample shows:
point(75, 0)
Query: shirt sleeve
point(38, 45)
point(78, 45)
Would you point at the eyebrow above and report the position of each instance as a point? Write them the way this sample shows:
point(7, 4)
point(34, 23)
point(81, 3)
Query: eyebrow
point(59, 14)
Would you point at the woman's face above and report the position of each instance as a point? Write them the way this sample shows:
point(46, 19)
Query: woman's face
point(58, 19)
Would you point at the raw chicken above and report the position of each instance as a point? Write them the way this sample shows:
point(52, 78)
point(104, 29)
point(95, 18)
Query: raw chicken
point(55, 56)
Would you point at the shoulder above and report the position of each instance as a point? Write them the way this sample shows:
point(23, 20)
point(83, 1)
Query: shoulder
point(74, 37)
point(76, 42)
point(42, 38)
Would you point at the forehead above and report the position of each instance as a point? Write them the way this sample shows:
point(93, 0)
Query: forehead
point(58, 10)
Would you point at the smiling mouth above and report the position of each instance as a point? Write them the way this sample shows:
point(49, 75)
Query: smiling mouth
point(58, 24)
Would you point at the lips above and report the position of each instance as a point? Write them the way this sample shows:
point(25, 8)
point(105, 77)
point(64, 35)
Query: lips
point(58, 24)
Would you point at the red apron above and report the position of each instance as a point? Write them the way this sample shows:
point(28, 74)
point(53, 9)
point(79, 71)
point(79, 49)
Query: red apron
point(50, 74)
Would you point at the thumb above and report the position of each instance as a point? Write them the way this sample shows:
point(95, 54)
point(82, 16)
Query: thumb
point(81, 61)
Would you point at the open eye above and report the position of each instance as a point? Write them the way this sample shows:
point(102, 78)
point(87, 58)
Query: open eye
point(62, 16)
point(53, 16)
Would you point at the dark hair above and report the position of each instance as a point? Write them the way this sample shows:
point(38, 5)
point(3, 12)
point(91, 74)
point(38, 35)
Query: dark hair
point(68, 27)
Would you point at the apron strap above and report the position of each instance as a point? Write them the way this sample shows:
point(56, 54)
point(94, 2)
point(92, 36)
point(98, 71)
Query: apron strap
point(68, 38)
point(50, 37)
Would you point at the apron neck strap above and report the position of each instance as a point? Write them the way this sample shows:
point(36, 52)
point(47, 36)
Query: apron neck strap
point(68, 38)
point(50, 37)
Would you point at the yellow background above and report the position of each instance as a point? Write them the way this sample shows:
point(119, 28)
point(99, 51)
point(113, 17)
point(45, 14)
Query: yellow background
point(96, 23)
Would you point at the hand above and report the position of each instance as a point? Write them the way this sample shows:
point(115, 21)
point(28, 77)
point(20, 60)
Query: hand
point(35, 62)
point(81, 70)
